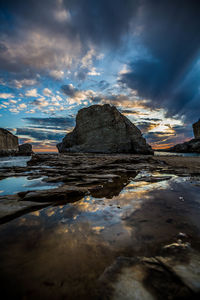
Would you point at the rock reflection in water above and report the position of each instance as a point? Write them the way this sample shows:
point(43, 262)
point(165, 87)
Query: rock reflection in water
point(61, 251)
point(13, 185)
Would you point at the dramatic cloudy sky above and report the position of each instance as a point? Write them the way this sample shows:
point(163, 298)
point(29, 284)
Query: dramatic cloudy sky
point(57, 56)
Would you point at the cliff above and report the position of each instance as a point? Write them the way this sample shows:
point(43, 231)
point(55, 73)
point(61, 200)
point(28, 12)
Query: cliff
point(8, 141)
point(196, 129)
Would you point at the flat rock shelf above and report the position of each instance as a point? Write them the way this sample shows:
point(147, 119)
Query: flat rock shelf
point(110, 227)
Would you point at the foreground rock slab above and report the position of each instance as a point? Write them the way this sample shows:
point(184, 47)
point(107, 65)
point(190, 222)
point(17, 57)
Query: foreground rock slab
point(163, 277)
point(12, 207)
point(77, 176)
point(98, 175)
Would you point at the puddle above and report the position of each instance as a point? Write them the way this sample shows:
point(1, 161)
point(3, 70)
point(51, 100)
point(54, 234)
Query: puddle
point(14, 161)
point(13, 185)
point(60, 252)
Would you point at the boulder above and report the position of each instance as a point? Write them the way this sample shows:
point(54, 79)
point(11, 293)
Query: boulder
point(25, 149)
point(8, 142)
point(103, 129)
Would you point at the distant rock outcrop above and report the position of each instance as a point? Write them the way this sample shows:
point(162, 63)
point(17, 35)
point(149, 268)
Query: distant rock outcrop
point(8, 142)
point(193, 146)
point(25, 149)
point(103, 129)
point(9, 145)
point(196, 129)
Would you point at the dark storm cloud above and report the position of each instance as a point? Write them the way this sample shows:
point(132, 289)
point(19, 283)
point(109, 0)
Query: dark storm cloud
point(100, 22)
point(169, 74)
point(69, 90)
point(168, 30)
point(144, 126)
point(62, 123)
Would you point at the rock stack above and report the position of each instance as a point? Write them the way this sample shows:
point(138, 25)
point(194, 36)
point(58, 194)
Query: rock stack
point(192, 146)
point(8, 142)
point(9, 145)
point(103, 129)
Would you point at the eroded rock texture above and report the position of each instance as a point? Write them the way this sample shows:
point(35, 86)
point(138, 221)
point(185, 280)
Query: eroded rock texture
point(8, 141)
point(193, 146)
point(25, 149)
point(103, 129)
point(196, 129)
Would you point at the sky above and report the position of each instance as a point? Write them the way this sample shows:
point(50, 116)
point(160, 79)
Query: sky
point(58, 56)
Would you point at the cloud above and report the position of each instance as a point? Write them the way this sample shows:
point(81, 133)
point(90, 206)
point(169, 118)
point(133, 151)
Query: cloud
point(103, 84)
point(168, 74)
point(24, 82)
point(57, 74)
point(93, 72)
point(47, 92)
point(60, 122)
point(49, 35)
point(76, 96)
point(69, 90)
point(14, 110)
point(40, 134)
point(32, 93)
point(156, 43)
point(6, 95)
point(22, 106)
point(40, 103)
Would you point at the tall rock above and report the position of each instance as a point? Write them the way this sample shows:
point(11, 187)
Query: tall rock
point(25, 149)
point(103, 129)
point(196, 129)
point(8, 141)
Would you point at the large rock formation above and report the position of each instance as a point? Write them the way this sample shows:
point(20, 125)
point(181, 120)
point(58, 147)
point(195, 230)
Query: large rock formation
point(25, 149)
point(8, 142)
point(196, 129)
point(103, 129)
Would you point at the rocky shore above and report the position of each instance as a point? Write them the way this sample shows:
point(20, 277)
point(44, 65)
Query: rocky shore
point(151, 252)
point(81, 174)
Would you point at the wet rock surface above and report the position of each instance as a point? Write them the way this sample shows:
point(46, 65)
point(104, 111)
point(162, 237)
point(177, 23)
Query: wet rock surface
point(168, 277)
point(78, 174)
point(103, 129)
point(116, 227)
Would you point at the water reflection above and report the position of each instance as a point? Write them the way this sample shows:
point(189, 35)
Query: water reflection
point(14, 161)
point(163, 153)
point(60, 252)
point(13, 185)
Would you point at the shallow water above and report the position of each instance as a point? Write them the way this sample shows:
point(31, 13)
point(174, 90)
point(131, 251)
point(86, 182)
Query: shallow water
point(13, 185)
point(59, 252)
point(163, 153)
point(14, 161)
